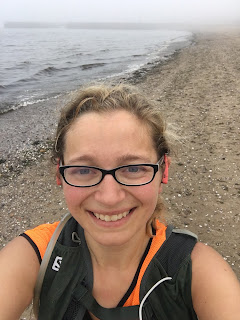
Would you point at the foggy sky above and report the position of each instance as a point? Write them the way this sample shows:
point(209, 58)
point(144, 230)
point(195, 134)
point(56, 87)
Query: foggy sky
point(145, 11)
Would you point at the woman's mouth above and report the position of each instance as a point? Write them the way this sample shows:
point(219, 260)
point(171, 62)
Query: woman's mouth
point(110, 218)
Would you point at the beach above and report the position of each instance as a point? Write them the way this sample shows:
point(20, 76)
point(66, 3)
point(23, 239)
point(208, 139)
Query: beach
point(198, 92)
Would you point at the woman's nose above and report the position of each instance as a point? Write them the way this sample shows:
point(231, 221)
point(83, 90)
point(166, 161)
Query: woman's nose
point(109, 191)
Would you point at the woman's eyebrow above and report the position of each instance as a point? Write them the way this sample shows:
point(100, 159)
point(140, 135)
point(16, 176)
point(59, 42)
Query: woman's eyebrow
point(88, 158)
point(121, 159)
point(133, 157)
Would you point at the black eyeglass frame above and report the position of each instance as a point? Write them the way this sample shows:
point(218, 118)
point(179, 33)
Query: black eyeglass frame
point(112, 173)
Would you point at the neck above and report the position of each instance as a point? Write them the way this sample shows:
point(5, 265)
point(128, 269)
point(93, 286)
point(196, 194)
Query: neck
point(121, 256)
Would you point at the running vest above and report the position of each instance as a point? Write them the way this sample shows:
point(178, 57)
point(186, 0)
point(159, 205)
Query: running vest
point(68, 281)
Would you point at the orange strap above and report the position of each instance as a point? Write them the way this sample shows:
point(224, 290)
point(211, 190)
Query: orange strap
point(157, 242)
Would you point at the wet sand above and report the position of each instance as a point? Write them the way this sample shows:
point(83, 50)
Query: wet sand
point(198, 91)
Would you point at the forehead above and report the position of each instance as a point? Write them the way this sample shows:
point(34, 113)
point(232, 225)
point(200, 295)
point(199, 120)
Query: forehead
point(108, 135)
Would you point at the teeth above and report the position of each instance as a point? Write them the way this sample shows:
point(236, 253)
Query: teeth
point(107, 218)
point(114, 217)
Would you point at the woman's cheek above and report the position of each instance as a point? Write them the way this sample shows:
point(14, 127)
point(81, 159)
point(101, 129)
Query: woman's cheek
point(148, 194)
point(74, 196)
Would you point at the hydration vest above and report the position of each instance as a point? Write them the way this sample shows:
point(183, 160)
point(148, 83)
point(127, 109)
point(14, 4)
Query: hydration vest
point(66, 284)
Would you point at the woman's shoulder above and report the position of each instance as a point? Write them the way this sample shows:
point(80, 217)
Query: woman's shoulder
point(19, 267)
point(215, 287)
point(206, 258)
point(207, 262)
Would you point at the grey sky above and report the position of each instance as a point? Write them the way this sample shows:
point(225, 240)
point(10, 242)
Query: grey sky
point(187, 11)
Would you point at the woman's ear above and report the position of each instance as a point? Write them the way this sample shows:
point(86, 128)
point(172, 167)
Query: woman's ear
point(58, 178)
point(165, 172)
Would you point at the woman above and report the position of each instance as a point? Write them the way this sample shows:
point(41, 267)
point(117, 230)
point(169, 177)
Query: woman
point(115, 258)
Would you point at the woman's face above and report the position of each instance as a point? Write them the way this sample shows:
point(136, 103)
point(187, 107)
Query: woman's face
point(107, 141)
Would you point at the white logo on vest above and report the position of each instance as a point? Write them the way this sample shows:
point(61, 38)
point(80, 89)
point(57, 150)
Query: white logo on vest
point(57, 263)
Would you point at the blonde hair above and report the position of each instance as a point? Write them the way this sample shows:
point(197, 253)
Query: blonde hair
point(106, 98)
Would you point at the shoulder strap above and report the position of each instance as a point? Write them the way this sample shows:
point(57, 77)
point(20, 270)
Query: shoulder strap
point(178, 245)
point(44, 264)
point(184, 231)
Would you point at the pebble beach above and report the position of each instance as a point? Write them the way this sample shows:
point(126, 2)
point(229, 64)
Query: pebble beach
point(198, 92)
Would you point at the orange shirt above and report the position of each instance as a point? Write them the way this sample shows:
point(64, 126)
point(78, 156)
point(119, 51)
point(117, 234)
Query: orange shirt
point(41, 235)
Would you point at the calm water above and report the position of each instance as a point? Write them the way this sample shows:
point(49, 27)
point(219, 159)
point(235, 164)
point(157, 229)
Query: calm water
point(41, 64)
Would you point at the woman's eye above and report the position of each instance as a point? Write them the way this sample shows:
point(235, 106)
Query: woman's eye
point(84, 171)
point(80, 171)
point(133, 169)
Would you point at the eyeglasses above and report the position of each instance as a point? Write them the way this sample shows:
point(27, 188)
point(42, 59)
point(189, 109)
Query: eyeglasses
point(130, 175)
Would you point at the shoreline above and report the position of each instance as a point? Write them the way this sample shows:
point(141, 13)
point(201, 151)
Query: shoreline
point(197, 89)
point(34, 139)
point(43, 82)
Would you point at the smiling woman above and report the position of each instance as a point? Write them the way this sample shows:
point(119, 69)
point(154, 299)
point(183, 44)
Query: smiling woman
point(113, 133)
point(114, 257)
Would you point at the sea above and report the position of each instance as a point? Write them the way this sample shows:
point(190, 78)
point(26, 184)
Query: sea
point(39, 64)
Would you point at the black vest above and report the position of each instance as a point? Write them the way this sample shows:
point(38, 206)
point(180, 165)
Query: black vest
point(68, 281)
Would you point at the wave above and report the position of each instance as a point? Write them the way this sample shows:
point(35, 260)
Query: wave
point(48, 70)
point(12, 107)
point(104, 50)
point(20, 65)
point(137, 55)
point(92, 65)
point(78, 54)
point(51, 70)
point(5, 87)
point(24, 63)
point(15, 84)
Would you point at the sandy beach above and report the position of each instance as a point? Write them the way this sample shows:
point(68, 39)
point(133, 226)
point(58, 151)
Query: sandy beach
point(198, 91)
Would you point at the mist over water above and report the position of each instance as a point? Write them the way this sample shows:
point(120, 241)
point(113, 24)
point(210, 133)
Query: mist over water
point(41, 64)
point(124, 11)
